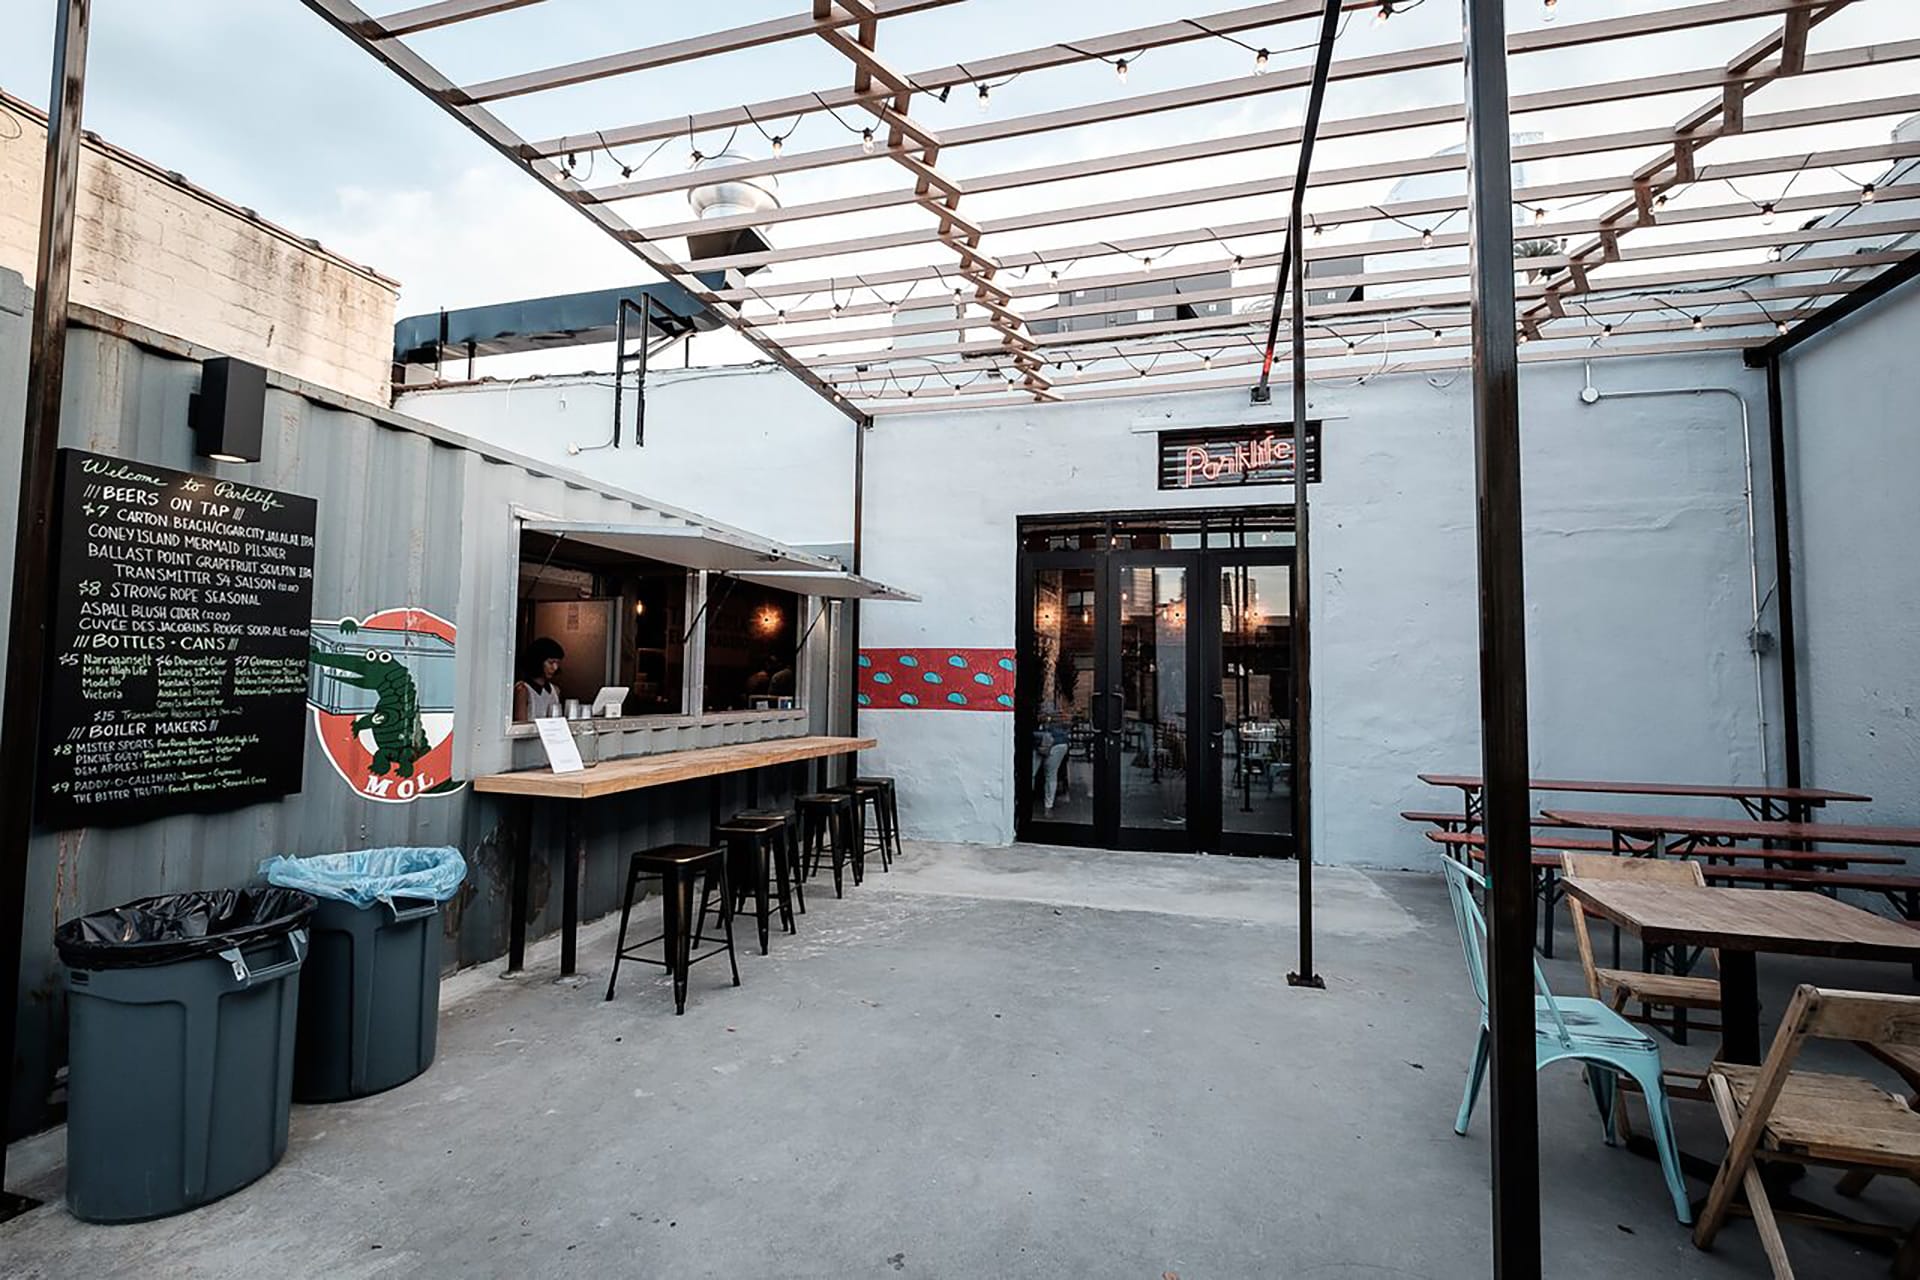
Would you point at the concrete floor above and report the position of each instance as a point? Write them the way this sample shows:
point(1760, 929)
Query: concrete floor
point(1026, 1062)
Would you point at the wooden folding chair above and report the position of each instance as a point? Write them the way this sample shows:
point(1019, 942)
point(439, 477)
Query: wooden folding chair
point(1617, 987)
point(1773, 1113)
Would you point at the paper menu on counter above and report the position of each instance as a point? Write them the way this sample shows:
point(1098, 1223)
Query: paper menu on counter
point(563, 753)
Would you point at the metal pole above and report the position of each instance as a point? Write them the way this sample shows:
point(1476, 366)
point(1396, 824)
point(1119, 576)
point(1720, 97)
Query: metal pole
point(640, 381)
point(620, 362)
point(1783, 573)
point(27, 624)
point(852, 607)
point(1306, 975)
point(1503, 649)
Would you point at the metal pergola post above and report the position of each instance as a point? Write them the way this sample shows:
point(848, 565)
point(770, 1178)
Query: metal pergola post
point(1503, 643)
point(27, 624)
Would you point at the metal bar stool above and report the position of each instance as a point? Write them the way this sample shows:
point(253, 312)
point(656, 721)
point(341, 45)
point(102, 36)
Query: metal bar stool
point(754, 850)
point(676, 866)
point(826, 827)
point(891, 796)
point(796, 871)
point(877, 837)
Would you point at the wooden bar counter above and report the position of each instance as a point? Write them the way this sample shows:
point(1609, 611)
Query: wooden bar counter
point(616, 777)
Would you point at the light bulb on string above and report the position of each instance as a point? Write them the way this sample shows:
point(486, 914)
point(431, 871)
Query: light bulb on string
point(1120, 70)
point(1539, 215)
point(1766, 214)
point(985, 97)
point(696, 157)
point(1699, 323)
point(779, 145)
point(866, 141)
point(1426, 239)
point(1773, 253)
point(1237, 260)
point(1549, 6)
point(1660, 201)
point(1438, 337)
point(1606, 331)
point(1260, 62)
point(1384, 12)
point(1206, 361)
point(1146, 264)
point(1781, 328)
point(1866, 194)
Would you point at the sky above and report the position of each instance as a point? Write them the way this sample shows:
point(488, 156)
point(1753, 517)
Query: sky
point(263, 103)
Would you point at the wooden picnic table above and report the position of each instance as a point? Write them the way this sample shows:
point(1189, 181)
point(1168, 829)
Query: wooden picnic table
point(616, 777)
point(1793, 804)
point(1741, 923)
point(1689, 834)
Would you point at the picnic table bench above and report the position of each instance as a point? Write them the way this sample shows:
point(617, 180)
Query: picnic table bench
point(1793, 804)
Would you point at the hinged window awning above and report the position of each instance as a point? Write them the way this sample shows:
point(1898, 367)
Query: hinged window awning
point(692, 546)
point(833, 586)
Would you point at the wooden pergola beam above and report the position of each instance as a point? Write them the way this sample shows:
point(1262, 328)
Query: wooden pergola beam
point(444, 13)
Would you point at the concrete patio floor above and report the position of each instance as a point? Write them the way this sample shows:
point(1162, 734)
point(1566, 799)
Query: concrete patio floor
point(1024, 1062)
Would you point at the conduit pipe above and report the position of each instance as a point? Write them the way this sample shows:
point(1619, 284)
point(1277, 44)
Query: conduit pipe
point(1592, 395)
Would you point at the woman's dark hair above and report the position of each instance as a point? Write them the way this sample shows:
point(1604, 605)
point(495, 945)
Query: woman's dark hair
point(533, 662)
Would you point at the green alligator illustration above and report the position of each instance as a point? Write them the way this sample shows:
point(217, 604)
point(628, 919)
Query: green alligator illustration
point(398, 736)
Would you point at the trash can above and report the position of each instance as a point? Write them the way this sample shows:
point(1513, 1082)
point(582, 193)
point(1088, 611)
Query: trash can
point(180, 1024)
point(370, 998)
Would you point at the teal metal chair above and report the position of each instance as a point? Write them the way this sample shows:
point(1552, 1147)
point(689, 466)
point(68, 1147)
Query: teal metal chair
point(1568, 1029)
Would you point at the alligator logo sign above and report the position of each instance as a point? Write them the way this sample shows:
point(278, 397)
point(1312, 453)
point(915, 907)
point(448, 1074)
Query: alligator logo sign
point(381, 689)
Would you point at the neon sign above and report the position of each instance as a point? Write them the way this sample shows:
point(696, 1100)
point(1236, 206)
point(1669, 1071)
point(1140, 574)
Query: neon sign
point(1235, 456)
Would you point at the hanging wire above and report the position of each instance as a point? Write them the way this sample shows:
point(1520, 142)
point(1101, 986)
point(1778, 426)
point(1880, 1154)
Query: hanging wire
point(776, 139)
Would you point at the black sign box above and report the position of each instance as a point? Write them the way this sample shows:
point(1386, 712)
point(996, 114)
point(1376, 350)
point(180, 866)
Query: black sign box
point(177, 655)
point(1228, 457)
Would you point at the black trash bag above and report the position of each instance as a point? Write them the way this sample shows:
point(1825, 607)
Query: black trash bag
point(179, 926)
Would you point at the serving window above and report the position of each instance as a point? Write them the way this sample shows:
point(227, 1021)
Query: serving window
point(619, 621)
point(752, 646)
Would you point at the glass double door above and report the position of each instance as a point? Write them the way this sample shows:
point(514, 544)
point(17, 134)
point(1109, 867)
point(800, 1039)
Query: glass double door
point(1155, 700)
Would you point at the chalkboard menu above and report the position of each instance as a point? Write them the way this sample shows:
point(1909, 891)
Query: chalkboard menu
point(177, 649)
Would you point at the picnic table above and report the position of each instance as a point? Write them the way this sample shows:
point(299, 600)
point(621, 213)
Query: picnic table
point(1793, 804)
point(1742, 923)
point(616, 777)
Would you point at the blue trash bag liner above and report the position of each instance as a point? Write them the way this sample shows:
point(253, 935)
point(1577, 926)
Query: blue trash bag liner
point(368, 876)
point(179, 926)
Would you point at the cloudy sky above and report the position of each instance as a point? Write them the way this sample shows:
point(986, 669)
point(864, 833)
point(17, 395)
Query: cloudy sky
point(261, 101)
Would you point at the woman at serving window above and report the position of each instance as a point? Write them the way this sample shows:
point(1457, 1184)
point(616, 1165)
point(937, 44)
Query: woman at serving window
point(535, 697)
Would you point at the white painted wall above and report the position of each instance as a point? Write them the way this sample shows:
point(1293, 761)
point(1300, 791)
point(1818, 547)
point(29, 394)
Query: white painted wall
point(1637, 561)
point(1637, 583)
point(748, 446)
point(1854, 470)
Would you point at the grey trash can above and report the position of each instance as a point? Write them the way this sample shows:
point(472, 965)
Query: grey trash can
point(370, 1001)
point(180, 1049)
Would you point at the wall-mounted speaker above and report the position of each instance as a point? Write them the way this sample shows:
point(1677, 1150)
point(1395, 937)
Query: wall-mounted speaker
point(228, 414)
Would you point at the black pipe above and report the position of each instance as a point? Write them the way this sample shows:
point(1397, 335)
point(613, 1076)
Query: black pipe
point(33, 534)
point(640, 380)
point(852, 606)
point(1306, 975)
point(1515, 1122)
point(1783, 572)
point(1309, 134)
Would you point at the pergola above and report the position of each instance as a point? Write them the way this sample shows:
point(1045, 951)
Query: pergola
point(1719, 222)
point(948, 282)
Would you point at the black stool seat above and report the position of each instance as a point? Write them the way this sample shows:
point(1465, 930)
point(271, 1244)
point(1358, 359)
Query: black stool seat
point(879, 837)
point(756, 843)
point(890, 794)
point(791, 833)
point(677, 866)
point(827, 827)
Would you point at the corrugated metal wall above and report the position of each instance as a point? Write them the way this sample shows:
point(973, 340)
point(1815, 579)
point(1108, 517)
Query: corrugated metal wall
point(408, 515)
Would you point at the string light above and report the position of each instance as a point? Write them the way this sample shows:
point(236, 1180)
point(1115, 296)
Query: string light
point(1781, 328)
point(1548, 16)
point(1866, 194)
point(779, 145)
point(1660, 201)
point(1260, 62)
point(1206, 361)
point(1120, 69)
point(1766, 214)
point(697, 157)
point(1699, 323)
point(1606, 331)
point(1539, 215)
point(1438, 337)
point(1521, 337)
point(1237, 259)
point(1773, 253)
point(1146, 264)
point(1352, 346)
point(866, 141)
point(1426, 239)
point(1384, 12)
point(985, 97)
